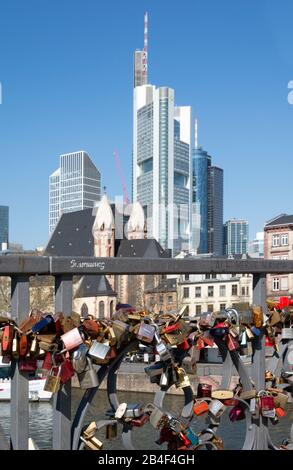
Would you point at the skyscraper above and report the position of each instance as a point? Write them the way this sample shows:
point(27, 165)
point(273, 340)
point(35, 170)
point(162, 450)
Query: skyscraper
point(76, 185)
point(207, 203)
point(201, 163)
point(161, 169)
point(162, 164)
point(4, 226)
point(215, 210)
point(236, 237)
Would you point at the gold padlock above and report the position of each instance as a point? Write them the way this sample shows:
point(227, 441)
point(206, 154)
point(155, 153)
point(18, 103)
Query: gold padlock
point(182, 378)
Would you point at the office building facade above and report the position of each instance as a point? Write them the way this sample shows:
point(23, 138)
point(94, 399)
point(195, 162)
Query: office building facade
point(4, 227)
point(207, 204)
point(76, 185)
point(236, 236)
point(162, 170)
point(256, 246)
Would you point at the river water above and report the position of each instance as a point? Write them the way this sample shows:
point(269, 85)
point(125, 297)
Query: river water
point(143, 438)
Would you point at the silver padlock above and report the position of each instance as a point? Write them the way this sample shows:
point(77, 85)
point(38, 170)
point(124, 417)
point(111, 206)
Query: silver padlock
point(146, 332)
point(79, 358)
point(156, 416)
point(164, 379)
point(88, 378)
point(99, 350)
point(163, 351)
point(133, 410)
point(287, 333)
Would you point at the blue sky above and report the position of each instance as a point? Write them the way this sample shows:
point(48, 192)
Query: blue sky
point(66, 74)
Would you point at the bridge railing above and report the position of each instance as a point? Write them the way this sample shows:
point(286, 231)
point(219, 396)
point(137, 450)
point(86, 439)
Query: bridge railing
point(20, 268)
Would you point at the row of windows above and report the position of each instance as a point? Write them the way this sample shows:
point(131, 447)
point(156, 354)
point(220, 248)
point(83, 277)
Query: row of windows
point(198, 308)
point(281, 240)
point(211, 291)
point(280, 283)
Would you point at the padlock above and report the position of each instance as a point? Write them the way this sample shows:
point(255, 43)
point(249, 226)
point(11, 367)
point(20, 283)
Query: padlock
point(280, 397)
point(133, 410)
point(99, 350)
point(52, 383)
point(67, 324)
point(34, 346)
point(208, 339)
point(47, 362)
point(275, 318)
point(164, 380)
point(243, 342)
point(200, 344)
point(204, 390)
point(191, 436)
point(231, 342)
point(15, 346)
point(219, 330)
point(48, 347)
point(27, 324)
point(120, 412)
point(121, 330)
point(253, 406)
point(41, 324)
point(67, 371)
point(156, 417)
point(92, 328)
point(216, 408)
point(200, 407)
point(90, 430)
point(256, 331)
point(146, 332)
point(287, 333)
point(222, 394)
point(72, 339)
point(111, 431)
point(139, 422)
point(23, 345)
point(79, 358)
point(163, 351)
point(257, 316)
point(27, 364)
point(88, 378)
point(237, 413)
point(92, 444)
point(280, 412)
point(182, 378)
point(6, 340)
point(249, 333)
point(266, 404)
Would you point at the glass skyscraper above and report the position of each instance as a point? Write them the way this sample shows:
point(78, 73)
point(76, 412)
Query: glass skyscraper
point(76, 185)
point(162, 165)
point(201, 163)
point(4, 225)
point(207, 204)
point(236, 237)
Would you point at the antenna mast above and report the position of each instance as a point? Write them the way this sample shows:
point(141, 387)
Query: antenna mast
point(145, 48)
point(196, 133)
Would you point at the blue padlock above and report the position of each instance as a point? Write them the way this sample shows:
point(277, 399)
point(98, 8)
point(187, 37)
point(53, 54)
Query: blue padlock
point(42, 324)
point(192, 437)
point(255, 331)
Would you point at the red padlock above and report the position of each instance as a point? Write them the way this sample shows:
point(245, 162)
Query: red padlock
point(67, 371)
point(47, 363)
point(183, 346)
point(140, 421)
point(7, 338)
point(27, 364)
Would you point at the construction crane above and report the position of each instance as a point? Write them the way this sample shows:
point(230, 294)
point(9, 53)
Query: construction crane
point(122, 179)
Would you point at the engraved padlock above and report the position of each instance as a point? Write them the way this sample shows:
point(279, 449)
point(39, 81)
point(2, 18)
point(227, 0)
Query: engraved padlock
point(88, 378)
point(79, 358)
point(72, 339)
point(99, 350)
point(52, 383)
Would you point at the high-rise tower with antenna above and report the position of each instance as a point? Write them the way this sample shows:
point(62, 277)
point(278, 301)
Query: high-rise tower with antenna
point(141, 59)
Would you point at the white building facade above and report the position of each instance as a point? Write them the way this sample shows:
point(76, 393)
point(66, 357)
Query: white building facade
point(162, 171)
point(213, 292)
point(75, 185)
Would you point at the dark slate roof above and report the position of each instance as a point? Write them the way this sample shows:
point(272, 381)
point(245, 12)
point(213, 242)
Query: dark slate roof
point(94, 286)
point(144, 248)
point(73, 234)
point(167, 285)
point(282, 219)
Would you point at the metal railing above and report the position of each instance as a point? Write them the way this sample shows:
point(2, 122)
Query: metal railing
point(20, 268)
